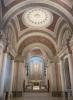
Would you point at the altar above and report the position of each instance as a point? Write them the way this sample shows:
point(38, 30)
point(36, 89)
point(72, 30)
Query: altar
point(35, 84)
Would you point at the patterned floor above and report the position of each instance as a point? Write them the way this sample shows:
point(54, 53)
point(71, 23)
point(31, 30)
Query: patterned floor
point(39, 96)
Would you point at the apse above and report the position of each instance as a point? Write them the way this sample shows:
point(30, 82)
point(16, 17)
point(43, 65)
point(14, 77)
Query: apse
point(35, 68)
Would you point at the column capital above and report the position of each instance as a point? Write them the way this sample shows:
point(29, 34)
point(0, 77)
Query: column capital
point(68, 47)
point(60, 58)
point(19, 58)
point(1, 47)
point(4, 39)
point(68, 42)
point(54, 59)
point(18, 61)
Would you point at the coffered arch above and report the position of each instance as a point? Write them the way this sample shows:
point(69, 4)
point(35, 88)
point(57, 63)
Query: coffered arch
point(39, 31)
point(41, 46)
point(38, 51)
point(36, 39)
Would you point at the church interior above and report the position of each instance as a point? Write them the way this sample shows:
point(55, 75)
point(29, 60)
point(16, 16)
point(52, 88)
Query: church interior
point(36, 49)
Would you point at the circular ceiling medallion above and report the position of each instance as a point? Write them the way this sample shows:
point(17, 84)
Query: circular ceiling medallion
point(37, 17)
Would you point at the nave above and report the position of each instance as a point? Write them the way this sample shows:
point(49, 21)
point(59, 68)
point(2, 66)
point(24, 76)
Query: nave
point(36, 49)
point(40, 96)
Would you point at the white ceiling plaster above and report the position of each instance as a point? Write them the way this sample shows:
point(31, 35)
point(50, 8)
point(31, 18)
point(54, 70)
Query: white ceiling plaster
point(7, 2)
point(40, 45)
point(59, 7)
point(68, 2)
point(37, 17)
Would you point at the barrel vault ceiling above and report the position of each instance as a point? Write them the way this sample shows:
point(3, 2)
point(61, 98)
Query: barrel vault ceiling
point(38, 22)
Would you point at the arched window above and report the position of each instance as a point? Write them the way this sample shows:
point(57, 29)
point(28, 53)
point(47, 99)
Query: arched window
point(36, 68)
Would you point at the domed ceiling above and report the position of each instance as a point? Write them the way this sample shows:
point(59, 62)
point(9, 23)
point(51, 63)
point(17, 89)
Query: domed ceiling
point(37, 17)
point(32, 20)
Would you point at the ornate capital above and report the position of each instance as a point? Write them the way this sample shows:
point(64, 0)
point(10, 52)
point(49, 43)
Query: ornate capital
point(68, 44)
point(66, 37)
point(69, 48)
point(54, 59)
point(1, 35)
point(19, 58)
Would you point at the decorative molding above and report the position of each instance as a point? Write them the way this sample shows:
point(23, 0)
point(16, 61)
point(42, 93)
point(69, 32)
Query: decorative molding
point(37, 17)
point(48, 3)
point(54, 59)
point(41, 46)
point(8, 2)
point(63, 34)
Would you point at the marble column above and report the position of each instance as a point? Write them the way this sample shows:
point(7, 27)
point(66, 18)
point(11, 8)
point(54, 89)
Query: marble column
point(1, 63)
point(3, 73)
point(24, 75)
point(11, 81)
point(46, 78)
point(62, 74)
point(15, 76)
point(70, 59)
point(12, 73)
point(1, 67)
point(1, 60)
point(53, 77)
point(20, 77)
point(26, 79)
